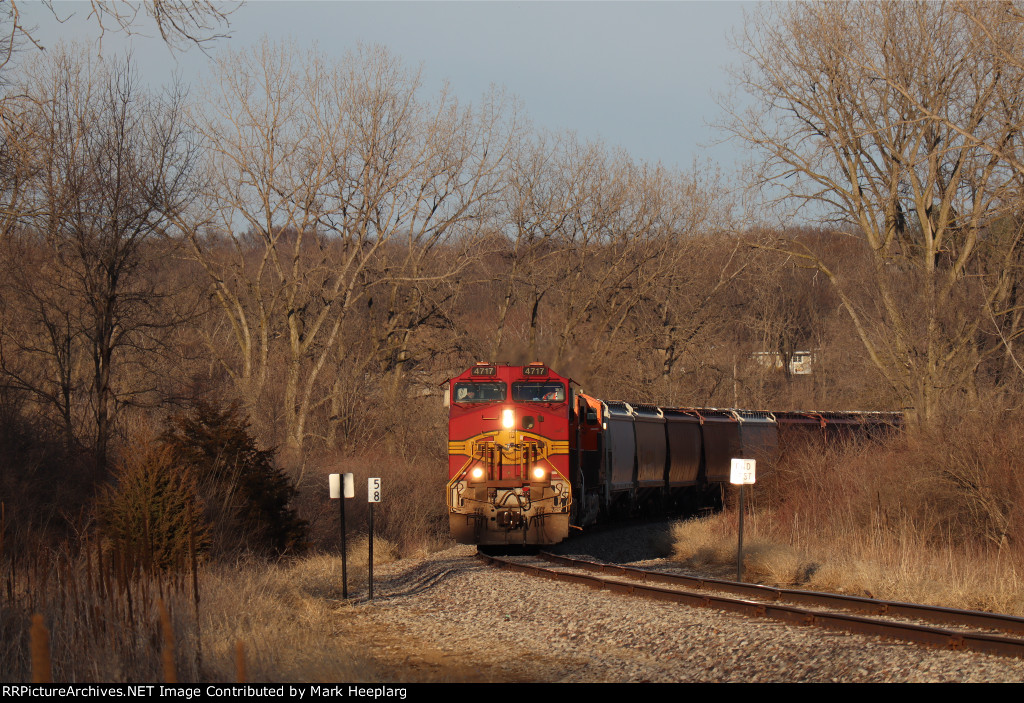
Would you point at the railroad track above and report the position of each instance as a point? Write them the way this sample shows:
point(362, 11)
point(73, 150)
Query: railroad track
point(947, 628)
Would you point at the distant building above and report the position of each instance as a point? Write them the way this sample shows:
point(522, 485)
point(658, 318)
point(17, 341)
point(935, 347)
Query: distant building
point(799, 362)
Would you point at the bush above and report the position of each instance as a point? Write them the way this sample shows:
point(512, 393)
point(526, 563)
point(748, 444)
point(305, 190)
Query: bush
point(153, 513)
point(953, 485)
point(248, 499)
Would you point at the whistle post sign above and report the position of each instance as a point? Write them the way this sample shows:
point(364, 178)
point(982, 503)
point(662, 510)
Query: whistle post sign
point(741, 472)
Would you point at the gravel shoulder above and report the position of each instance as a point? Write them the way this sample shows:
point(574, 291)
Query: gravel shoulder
point(450, 618)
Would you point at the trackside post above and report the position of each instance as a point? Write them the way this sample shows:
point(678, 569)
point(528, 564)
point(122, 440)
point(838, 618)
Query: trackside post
point(342, 487)
point(374, 493)
point(741, 473)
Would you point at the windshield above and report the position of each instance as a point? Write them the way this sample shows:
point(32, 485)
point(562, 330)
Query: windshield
point(538, 392)
point(479, 392)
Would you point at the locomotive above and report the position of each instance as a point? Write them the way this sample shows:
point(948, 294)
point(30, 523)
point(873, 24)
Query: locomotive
point(530, 455)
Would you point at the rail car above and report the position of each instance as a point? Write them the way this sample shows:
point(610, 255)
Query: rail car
point(529, 455)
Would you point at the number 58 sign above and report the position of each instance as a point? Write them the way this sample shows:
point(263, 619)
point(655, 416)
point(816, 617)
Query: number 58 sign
point(374, 490)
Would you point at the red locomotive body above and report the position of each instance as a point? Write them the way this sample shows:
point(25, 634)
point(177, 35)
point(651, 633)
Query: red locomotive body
point(508, 455)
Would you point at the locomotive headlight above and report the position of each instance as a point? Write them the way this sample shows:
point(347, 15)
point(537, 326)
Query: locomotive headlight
point(477, 474)
point(538, 473)
point(508, 418)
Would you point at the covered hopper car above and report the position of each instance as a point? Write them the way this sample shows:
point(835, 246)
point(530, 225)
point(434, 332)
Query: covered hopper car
point(529, 455)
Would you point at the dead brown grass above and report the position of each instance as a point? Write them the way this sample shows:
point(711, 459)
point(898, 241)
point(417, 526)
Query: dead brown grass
point(108, 626)
point(286, 614)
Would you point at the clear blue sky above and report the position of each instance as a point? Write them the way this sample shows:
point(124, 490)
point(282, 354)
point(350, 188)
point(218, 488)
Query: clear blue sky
point(638, 74)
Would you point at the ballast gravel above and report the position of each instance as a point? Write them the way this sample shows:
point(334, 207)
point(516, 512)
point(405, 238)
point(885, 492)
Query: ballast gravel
point(450, 617)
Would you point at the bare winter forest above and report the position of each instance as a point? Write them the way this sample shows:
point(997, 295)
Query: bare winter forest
point(213, 296)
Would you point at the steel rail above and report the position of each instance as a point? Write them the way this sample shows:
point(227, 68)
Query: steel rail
point(922, 634)
point(943, 616)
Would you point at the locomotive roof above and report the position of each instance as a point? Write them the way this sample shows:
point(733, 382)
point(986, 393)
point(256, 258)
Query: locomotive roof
point(485, 370)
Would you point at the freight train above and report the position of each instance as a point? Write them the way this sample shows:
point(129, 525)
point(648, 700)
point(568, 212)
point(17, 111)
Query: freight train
point(530, 456)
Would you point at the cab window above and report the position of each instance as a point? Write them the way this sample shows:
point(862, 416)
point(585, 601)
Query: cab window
point(479, 392)
point(538, 392)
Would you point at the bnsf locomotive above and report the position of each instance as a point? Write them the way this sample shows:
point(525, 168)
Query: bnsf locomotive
point(529, 455)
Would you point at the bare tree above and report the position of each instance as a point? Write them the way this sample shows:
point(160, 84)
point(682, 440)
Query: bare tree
point(600, 256)
point(107, 160)
point(545, 180)
point(180, 23)
point(836, 114)
point(328, 182)
point(996, 31)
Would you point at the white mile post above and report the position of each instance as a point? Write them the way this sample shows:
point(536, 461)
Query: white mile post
point(374, 493)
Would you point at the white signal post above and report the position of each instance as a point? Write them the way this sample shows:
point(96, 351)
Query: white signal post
point(337, 483)
point(342, 485)
point(742, 473)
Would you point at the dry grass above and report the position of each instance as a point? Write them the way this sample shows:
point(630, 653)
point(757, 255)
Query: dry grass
point(905, 570)
point(107, 626)
point(710, 543)
point(286, 616)
point(932, 518)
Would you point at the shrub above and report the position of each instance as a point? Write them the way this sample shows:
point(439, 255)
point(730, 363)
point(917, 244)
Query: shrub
point(249, 500)
point(153, 511)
